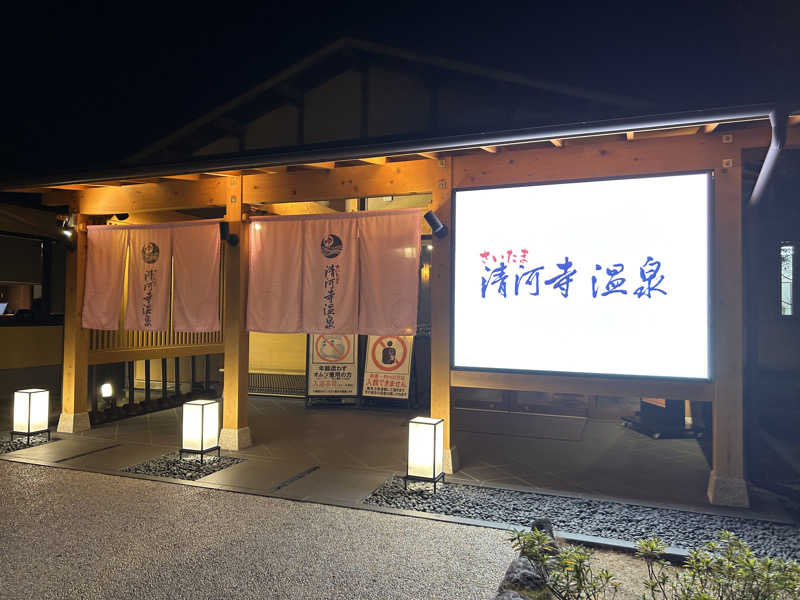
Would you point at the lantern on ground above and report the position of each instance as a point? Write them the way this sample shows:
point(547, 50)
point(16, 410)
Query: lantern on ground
point(31, 412)
point(200, 427)
point(425, 450)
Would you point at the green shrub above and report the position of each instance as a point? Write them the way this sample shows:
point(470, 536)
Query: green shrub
point(725, 569)
point(567, 571)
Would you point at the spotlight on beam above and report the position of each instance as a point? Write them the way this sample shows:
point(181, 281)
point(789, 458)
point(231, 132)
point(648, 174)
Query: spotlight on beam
point(439, 229)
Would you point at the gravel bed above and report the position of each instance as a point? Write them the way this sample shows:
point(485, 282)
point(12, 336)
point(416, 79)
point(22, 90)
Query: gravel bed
point(188, 467)
point(19, 443)
point(629, 522)
point(69, 534)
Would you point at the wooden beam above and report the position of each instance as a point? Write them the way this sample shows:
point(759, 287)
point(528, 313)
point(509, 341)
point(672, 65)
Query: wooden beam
point(489, 149)
point(74, 188)
point(629, 136)
point(148, 197)
point(235, 173)
point(430, 155)
point(710, 127)
point(100, 357)
point(378, 160)
point(186, 177)
point(557, 143)
point(273, 170)
point(664, 133)
point(300, 208)
point(391, 179)
point(320, 166)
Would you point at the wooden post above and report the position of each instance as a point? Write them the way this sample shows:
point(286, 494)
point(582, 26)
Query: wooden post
point(727, 485)
point(147, 381)
point(235, 434)
point(441, 262)
point(74, 380)
point(163, 381)
point(178, 379)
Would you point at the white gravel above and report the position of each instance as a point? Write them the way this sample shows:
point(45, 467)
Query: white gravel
point(70, 534)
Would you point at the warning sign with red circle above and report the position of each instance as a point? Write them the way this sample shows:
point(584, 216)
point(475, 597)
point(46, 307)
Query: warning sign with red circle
point(387, 373)
point(332, 365)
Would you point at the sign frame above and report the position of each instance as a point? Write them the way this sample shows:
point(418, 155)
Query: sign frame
point(354, 369)
point(710, 266)
point(408, 344)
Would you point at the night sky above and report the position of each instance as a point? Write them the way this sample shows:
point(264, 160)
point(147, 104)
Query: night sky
point(86, 84)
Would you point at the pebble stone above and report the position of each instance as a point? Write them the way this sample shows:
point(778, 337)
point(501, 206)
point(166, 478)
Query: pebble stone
point(189, 467)
point(20, 443)
point(682, 529)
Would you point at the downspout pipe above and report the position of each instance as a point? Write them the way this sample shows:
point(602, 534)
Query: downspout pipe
point(779, 119)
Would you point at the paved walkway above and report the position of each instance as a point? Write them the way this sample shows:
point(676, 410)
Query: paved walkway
point(70, 534)
point(354, 451)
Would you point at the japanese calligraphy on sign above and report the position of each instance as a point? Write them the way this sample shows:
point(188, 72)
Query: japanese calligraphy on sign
point(150, 254)
point(332, 365)
point(498, 268)
point(387, 372)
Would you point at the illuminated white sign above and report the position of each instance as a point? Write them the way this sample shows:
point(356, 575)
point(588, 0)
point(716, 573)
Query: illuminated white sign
point(604, 277)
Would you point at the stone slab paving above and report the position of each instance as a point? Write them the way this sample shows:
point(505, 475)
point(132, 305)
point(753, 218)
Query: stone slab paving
point(71, 534)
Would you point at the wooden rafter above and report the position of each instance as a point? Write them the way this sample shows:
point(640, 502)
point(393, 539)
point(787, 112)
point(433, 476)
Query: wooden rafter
point(710, 127)
point(378, 160)
point(186, 177)
point(430, 155)
point(320, 166)
point(273, 170)
point(490, 149)
point(557, 143)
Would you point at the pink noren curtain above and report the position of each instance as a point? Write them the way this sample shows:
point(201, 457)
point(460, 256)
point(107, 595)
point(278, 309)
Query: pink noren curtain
point(196, 251)
point(274, 297)
point(149, 278)
point(330, 275)
point(105, 271)
point(389, 246)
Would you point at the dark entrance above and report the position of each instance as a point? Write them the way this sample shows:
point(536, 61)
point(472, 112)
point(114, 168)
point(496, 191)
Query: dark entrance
point(772, 325)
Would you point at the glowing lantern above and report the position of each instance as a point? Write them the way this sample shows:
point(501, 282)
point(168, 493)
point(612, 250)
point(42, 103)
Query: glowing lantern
point(200, 427)
point(31, 412)
point(106, 391)
point(425, 450)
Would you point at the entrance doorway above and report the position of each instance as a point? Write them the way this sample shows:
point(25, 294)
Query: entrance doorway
point(772, 324)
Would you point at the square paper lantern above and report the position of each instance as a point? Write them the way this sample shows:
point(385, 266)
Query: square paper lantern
point(425, 450)
point(200, 427)
point(31, 412)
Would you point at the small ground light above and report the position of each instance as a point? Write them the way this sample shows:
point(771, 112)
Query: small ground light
point(425, 451)
point(31, 412)
point(200, 428)
point(106, 391)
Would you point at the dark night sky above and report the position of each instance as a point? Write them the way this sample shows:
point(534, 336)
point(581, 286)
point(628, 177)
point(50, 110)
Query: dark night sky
point(86, 84)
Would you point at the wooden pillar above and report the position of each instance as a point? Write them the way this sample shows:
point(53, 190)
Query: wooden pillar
point(235, 433)
point(74, 379)
point(727, 485)
point(441, 263)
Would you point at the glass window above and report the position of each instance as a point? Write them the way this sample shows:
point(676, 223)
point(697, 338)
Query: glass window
point(787, 279)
